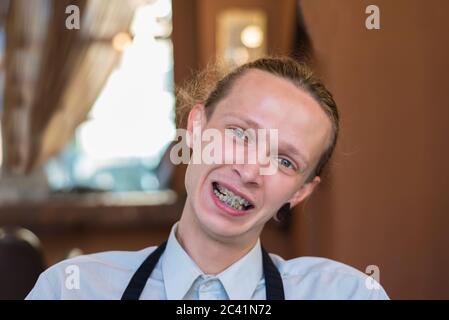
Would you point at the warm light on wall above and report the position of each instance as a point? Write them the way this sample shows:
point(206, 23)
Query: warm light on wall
point(121, 41)
point(241, 36)
point(252, 36)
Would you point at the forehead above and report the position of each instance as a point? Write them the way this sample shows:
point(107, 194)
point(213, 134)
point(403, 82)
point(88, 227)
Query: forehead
point(276, 103)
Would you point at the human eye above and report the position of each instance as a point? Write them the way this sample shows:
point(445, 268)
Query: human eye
point(239, 133)
point(286, 163)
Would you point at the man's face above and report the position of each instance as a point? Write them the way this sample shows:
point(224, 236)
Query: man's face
point(231, 201)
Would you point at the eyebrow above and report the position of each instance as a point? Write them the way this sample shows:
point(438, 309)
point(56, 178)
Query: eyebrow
point(249, 122)
point(286, 147)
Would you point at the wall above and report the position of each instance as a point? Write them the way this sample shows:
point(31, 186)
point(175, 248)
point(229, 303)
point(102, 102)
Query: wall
point(385, 202)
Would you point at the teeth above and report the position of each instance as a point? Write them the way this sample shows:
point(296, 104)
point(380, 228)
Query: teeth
point(230, 198)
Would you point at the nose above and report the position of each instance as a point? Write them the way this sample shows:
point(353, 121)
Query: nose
point(249, 174)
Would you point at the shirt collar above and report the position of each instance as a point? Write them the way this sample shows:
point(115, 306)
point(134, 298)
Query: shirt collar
point(178, 269)
point(240, 280)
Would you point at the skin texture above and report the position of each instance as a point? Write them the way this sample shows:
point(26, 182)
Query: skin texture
point(212, 237)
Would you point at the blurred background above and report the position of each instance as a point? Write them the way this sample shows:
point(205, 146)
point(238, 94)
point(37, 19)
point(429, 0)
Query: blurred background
point(87, 116)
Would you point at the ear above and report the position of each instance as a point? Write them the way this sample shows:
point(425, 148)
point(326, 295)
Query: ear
point(305, 191)
point(195, 121)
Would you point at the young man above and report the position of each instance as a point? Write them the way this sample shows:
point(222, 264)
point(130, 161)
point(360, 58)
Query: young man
point(214, 251)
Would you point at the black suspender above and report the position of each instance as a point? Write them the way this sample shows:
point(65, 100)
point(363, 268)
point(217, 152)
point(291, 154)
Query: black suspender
point(273, 281)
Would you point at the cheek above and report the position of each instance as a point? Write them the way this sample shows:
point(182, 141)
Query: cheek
point(196, 176)
point(188, 180)
point(193, 178)
point(279, 189)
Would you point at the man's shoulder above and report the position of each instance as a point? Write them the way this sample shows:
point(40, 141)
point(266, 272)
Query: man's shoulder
point(307, 265)
point(101, 262)
point(323, 278)
point(120, 260)
point(107, 268)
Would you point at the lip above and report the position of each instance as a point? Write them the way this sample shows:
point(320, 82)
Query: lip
point(227, 209)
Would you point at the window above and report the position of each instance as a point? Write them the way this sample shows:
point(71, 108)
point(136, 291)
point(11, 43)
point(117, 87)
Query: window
point(121, 144)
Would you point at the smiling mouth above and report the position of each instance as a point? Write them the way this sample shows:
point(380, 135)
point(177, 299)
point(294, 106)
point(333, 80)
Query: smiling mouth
point(230, 199)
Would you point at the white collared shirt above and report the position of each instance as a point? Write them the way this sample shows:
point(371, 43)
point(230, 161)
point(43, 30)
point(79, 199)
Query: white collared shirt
point(176, 276)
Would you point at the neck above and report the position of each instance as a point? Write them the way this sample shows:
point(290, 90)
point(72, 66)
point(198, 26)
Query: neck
point(211, 254)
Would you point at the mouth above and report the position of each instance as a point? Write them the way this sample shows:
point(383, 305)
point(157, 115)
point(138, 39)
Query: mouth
point(230, 199)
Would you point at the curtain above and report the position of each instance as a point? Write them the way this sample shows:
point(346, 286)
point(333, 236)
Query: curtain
point(54, 74)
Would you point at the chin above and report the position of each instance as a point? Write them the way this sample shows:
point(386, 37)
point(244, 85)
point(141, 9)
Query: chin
point(219, 229)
